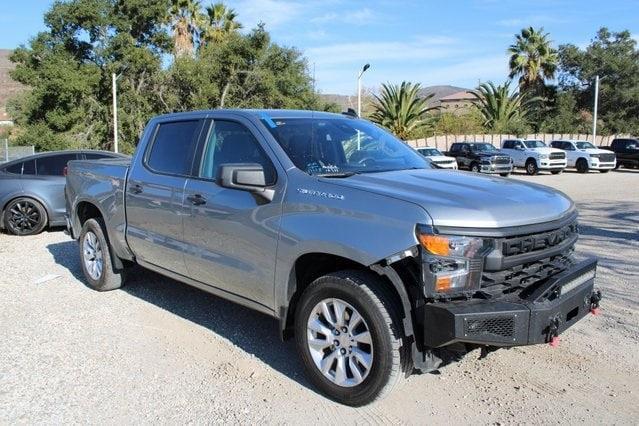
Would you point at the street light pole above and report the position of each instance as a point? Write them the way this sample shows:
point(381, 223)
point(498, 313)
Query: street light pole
point(594, 115)
point(115, 111)
point(359, 89)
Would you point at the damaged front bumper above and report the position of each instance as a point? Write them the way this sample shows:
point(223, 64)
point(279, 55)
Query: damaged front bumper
point(529, 317)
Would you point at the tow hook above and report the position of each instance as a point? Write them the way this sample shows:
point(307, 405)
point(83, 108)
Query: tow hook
point(553, 332)
point(595, 298)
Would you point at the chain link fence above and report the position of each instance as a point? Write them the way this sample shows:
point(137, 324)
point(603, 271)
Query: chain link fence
point(8, 153)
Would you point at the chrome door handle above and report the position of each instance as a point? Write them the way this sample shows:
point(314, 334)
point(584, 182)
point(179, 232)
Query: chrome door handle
point(135, 188)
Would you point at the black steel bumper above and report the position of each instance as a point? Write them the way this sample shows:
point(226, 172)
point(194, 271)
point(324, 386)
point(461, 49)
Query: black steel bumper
point(526, 318)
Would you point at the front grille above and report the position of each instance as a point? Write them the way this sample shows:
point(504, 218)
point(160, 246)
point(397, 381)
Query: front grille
point(557, 155)
point(606, 158)
point(528, 273)
point(514, 246)
point(443, 162)
point(501, 160)
point(503, 326)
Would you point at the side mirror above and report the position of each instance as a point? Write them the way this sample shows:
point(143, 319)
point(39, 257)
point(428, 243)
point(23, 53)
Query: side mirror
point(245, 177)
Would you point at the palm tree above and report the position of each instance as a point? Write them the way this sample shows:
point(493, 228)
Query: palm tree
point(186, 18)
point(221, 23)
point(501, 109)
point(400, 109)
point(532, 58)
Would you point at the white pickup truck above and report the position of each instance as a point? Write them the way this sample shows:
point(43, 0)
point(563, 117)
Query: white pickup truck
point(534, 155)
point(584, 156)
point(436, 157)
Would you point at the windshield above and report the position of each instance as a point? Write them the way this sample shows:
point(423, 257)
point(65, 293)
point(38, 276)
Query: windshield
point(535, 144)
point(338, 146)
point(482, 147)
point(429, 152)
point(585, 145)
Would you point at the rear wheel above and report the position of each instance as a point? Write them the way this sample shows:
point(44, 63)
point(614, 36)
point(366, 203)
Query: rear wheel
point(348, 334)
point(25, 216)
point(582, 165)
point(531, 167)
point(96, 258)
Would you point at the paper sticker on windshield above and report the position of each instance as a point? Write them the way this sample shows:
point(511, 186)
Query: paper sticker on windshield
point(268, 120)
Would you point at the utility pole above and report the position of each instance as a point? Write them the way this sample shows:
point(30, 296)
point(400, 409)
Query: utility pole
point(115, 111)
point(594, 115)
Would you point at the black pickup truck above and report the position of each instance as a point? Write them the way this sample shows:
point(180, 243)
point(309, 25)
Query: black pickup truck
point(627, 152)
point(481, 157)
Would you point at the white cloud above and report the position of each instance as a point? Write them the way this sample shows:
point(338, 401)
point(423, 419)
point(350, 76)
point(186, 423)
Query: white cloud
point(418, 49)
point(357, 17)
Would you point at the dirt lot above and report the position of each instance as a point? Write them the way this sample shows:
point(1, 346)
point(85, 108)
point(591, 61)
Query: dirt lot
point(160, 351)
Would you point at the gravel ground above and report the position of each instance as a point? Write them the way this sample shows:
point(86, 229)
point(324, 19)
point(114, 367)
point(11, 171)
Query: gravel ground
point(158, 351)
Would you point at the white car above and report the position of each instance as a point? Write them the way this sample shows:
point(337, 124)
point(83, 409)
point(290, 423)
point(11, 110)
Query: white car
point(437, 158)
point(584, 156)
point(534, 155)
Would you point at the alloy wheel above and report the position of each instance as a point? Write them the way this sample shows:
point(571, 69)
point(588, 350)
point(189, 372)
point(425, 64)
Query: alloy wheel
point(339, 341)
point(23, 217)
point(92, 253)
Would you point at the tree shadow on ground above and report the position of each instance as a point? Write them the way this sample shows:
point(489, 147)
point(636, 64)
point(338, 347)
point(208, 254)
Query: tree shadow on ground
point(251, 331)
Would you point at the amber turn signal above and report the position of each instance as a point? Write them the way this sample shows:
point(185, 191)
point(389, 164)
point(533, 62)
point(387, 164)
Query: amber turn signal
point(435, 244)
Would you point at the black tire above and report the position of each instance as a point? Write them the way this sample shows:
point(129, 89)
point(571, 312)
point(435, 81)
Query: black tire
point(372, 299)
point(556, 172)
point(604, 171)
point(474, 167)
point(617, 165)
point(531, 167)
point(110, 278)
point(582, 166)
point(25, 216)
point(504, 174)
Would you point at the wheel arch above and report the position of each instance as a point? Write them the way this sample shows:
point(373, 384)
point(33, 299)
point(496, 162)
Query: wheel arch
point(310, 266)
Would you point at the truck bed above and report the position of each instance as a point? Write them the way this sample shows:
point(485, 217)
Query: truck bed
point(103, 180)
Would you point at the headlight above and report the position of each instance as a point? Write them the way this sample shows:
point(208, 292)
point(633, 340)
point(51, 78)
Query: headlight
point(451, 264)
point(543, 156)
point(594, 156)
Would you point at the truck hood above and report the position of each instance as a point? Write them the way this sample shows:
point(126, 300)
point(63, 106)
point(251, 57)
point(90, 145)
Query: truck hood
point(466, 200)
point(491, 153)
point(440, 158)
point(595, 151)
point(546, 150)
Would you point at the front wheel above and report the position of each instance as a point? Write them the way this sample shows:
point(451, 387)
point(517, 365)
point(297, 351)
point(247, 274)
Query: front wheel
point(474, 167)
point(582, 166)
point(348, 334)
point(531, 167)
point(95, 257)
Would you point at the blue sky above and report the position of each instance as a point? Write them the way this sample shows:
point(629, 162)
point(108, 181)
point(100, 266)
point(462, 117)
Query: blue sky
point(456, 42)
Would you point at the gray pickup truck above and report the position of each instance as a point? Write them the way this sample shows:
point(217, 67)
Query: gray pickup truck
point(375, 261)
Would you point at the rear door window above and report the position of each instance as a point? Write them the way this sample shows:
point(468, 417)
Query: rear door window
point(15, 169)
point(96, 156)
point(174, 146)
point(53, 165)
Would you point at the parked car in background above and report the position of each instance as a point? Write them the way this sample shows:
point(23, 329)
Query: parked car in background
point(481, 157)
point(626, 150)
point(436, 157)
point(584, 156)
point(377, 264)
point(534, 156)
point(32, 190)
